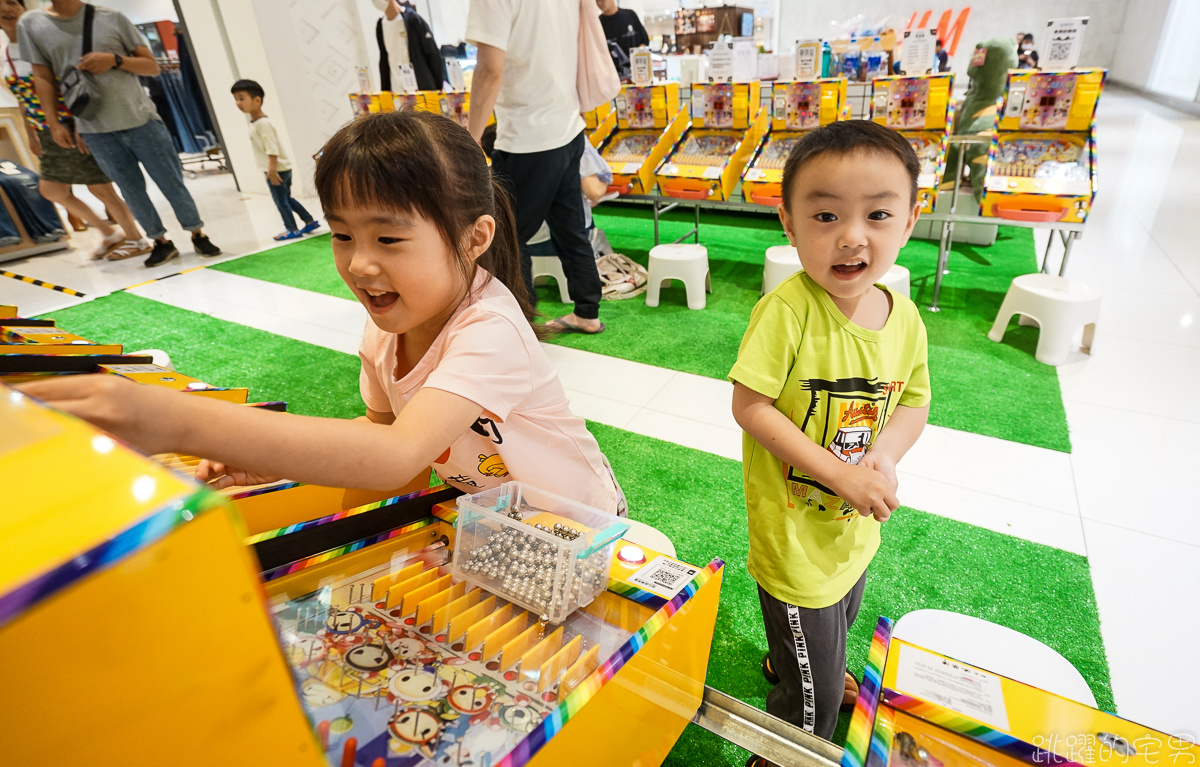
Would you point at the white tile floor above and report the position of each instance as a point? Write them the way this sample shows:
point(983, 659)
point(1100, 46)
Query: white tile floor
point(1123, 498)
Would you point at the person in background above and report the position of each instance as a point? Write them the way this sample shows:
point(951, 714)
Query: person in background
point(126, 134)
point(622, 27)
point(404, 37)
point(943, 57)
point(528, 54)
point(60, 168)
point(268, 154)
point(1027, 57)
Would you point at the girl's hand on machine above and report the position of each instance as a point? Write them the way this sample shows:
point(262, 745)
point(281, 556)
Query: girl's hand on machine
point(219, 476)
point(131, 412)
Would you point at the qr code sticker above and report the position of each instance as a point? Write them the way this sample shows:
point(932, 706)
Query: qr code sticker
point(664, 576)
point(1060, 50)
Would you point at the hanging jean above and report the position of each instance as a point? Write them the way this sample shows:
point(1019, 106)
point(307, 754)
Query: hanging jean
point(118, 154)
point(8, 230)
point(282, 195)
point(36, 212)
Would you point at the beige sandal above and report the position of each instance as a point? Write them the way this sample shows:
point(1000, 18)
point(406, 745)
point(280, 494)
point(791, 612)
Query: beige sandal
point(129, 249)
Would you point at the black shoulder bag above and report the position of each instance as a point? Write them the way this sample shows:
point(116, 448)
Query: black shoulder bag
point(79, 91)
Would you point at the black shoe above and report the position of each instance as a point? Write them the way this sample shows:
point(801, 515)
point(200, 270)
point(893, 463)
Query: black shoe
point(204, 246)
point(769, 672)
point(163, 252)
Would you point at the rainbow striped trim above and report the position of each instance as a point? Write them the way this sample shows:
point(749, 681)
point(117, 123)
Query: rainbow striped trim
point(861, 743)
point(282, 531)
point(558, 718)
point(635, 594)
point(981, 733)
point(154, 527)
point(349, 548)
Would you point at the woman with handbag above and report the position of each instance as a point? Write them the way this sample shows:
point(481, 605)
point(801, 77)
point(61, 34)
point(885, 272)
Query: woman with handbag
point(531, 67)
point(62, 167)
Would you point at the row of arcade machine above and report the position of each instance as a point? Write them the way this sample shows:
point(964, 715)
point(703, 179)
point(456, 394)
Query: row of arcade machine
point(723, 141)
point(452, 104)
point(1041, 165)
point(304, 625)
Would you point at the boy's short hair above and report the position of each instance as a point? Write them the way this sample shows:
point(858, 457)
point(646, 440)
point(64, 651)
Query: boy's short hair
point(844, 137)
point(248, 86)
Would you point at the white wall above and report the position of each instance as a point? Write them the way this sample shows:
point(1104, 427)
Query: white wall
point(142, 11)
point(987, 19)
point(1176, 70)
point(1141, 30)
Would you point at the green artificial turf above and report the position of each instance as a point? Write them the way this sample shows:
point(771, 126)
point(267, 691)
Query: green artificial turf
point(313, 380)
point(307, 264)
point(998, 390)
point(695, 498)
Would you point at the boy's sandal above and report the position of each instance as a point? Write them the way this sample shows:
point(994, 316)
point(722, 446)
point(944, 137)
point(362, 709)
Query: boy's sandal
point(288, 236)
point(850, 696)
point(769, 672)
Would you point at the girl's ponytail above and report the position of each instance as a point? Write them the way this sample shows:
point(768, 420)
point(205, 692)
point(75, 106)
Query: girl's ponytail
point(503, 257)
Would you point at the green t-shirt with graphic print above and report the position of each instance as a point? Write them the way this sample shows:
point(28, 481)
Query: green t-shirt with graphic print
point(838, 383)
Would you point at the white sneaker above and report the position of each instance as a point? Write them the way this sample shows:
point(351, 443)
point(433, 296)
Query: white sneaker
point(107, 244)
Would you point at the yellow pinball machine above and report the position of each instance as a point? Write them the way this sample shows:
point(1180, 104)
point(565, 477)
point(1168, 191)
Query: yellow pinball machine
point(599, 123)
point(453, 104)
point(917, 708)
point(1042, 161)
point(796, 108)
point(296, 624)
point(921, 109)
point(648, 120)
point(706, 161)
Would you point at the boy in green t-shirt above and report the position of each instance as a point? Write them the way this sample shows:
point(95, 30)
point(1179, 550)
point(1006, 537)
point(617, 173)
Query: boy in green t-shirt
point(832, 388)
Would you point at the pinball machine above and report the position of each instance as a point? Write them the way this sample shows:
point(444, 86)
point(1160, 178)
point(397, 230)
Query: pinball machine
point(920, 107)
point(648, 121)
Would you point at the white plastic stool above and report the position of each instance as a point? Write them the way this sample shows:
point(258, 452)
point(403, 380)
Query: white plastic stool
point(687, 263)
point(896, 280)
point(550, 266)
point(994, 648)
point(650, 537)
point(781, 262)
point(1059, 307)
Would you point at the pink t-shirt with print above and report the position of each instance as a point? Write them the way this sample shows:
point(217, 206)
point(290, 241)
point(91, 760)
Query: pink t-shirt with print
point(488, 354)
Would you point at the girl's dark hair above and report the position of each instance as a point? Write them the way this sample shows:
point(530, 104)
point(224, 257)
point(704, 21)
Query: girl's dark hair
point(427, 165)
point(848, 136)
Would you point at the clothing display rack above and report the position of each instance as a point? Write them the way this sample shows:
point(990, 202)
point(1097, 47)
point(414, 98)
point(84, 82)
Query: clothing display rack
point(13, 148)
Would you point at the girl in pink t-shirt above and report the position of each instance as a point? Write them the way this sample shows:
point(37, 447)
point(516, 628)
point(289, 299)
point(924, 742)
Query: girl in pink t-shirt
point(453, 375)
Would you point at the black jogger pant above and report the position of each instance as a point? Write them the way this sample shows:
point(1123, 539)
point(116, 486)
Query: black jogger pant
point(545, 187)
point(808, 652)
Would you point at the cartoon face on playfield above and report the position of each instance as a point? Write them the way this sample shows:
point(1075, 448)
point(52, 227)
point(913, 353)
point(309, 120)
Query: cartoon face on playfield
point(417, 726)
point(344, 622)
point(520, 717)
point(417, 683)
point(471, 698)
point(370, 657)
point(316, 693)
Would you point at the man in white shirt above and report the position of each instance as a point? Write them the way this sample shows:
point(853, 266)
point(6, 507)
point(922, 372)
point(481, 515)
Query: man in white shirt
point(528, 51)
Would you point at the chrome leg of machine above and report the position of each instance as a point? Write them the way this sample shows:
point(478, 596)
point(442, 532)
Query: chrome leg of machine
point(943, 257)
point(1068, 239)
point(1046, 255)
point(762, 734)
